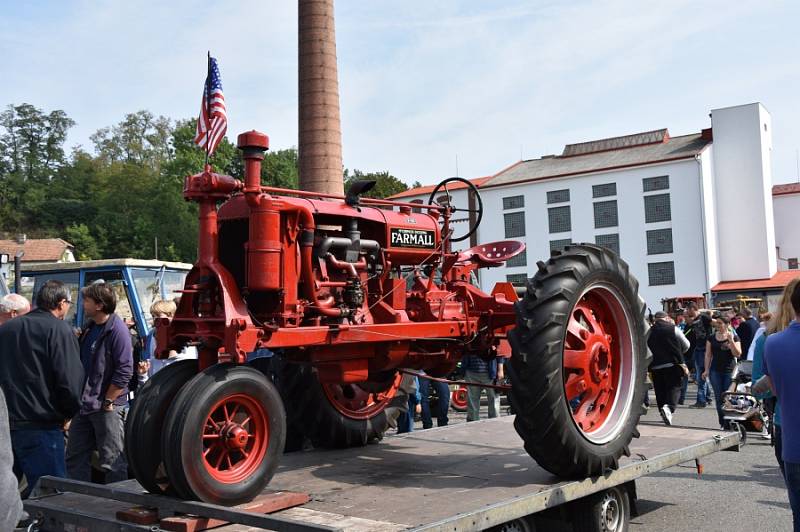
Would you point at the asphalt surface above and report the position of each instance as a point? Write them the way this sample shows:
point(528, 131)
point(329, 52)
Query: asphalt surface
point(737, 491)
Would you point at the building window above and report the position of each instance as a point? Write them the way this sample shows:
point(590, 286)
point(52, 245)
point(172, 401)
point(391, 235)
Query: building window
point(518, 260)
point(608, 241)
point(559, 219)
point(659, 241)
point(601, 191)
point(515, 224)
point(655, 183)
point(559, 244)
point(514, 202)
point(558, 196)
point(661, 273)
point(417, 210)
point(605, 214)
point(657, 209)
point(793, 264)
point(517, 279)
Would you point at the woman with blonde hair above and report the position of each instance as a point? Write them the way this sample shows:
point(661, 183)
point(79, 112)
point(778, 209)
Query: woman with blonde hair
point(780, 320)
point(163, 308)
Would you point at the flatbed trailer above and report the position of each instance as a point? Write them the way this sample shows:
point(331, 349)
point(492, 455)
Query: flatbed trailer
point(473, 476)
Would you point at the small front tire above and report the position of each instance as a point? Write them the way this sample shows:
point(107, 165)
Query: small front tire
point(224, 435)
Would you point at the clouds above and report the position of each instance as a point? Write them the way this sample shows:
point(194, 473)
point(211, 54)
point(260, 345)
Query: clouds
point(422, 82)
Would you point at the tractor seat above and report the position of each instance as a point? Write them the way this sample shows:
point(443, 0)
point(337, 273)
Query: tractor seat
point(493, 254)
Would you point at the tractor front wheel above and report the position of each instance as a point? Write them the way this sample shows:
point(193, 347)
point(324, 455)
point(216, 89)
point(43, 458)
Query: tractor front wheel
point(579, 362)
point(145, 423)
point(224, 435)
point(343, 415)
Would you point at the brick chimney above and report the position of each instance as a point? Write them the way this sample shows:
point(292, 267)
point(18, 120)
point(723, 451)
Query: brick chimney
point(21, 238)
point(320, 133)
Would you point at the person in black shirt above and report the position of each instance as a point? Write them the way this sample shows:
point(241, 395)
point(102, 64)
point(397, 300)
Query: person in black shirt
point(746, 331)
point(697, 331)
point(667, 343)
point(722, 350)
point(42, 377)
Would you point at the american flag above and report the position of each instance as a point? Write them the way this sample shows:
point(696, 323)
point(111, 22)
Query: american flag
point(213, 120)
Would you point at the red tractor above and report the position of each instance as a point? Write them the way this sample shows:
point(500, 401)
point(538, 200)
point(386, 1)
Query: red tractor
point(319, 280)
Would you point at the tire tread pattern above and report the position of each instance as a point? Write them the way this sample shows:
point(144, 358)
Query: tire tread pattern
point(543, 418)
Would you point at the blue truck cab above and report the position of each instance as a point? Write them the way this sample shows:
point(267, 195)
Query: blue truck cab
point(137, 284)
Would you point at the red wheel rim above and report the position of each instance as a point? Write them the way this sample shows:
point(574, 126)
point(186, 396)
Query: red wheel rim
point(459, 397)
point(598, 363)
point(355, 402)
point(235, 438)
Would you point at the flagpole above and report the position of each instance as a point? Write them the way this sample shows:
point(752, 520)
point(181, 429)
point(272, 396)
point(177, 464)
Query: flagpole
point(208, 104)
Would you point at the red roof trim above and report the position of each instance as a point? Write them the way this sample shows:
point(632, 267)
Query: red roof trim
point(779, 280)
point(786, 189)
point(478, 181)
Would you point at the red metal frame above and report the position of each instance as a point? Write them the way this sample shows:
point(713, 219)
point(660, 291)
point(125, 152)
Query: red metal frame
point(283, 295)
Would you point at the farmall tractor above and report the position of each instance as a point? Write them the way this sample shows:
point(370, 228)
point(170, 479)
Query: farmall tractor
point(321, 281)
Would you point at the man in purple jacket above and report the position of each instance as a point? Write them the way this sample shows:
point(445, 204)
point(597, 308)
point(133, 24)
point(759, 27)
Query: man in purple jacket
point(107, 356)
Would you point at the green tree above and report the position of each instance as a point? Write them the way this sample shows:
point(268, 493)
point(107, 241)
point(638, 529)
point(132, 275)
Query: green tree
point(31, 154)
point(279, 169)
point(81, 238)
point(140, 138)
point(386, 184)
point(32, 142)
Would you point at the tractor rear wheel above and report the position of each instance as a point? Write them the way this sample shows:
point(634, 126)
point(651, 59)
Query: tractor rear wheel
point(458, 398)
point(146, 420)
point(579, 362)
point(343, 415)
point(224, 435)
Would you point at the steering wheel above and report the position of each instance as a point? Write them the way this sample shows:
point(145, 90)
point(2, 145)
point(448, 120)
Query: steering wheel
point(446, 201)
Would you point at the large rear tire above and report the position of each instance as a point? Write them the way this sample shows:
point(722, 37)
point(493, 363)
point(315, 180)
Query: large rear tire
point(579, 362)
point(224, 435)
point(346, 415)
point(145, 422)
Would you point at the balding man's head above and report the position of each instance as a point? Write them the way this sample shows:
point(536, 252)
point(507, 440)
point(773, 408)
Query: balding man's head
point(11, 306)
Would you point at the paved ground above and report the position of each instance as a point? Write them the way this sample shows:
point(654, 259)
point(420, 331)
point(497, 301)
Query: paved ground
point(738, 491)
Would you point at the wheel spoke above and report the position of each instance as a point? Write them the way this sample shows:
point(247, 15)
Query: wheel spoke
point(225, 411)
point(585, 412)
point(235, 409)
point(592, 322)
point(577, 359)
point(210, 436)
point(210, 448)
point(223, 453)
point(574, 386)
point(575, 329)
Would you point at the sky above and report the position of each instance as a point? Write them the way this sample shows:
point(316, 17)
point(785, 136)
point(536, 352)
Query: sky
point(428, 89)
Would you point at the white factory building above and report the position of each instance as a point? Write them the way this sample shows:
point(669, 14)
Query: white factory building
point(687, 212)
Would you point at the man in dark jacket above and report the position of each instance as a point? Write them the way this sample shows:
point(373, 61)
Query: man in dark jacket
point(668, 344)
point(42, 377)
point(107, 357)
point(746, 330)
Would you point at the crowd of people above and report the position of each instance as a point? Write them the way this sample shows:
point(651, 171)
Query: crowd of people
point(713, 349)
point(64, 392)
